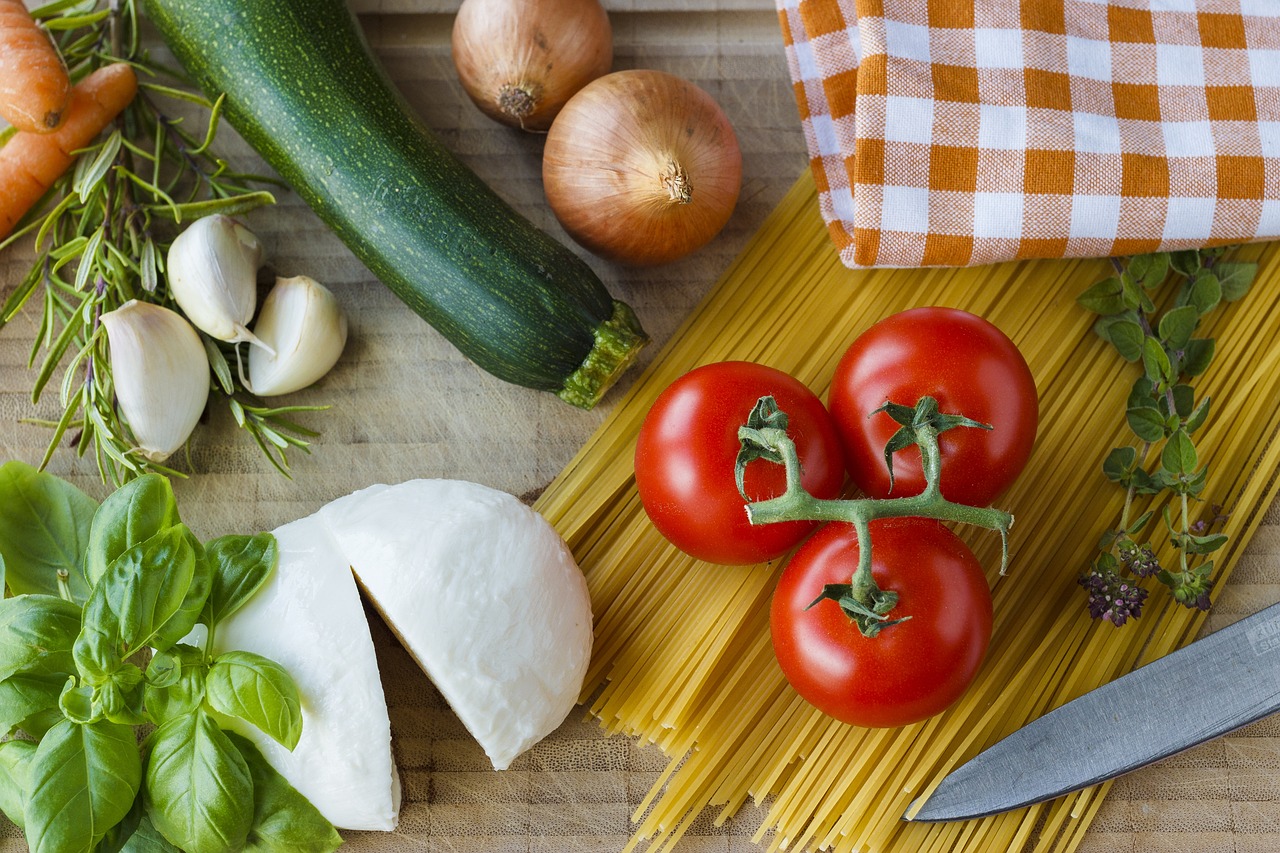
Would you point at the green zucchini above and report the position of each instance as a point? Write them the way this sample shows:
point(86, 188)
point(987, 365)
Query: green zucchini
point(304, 90)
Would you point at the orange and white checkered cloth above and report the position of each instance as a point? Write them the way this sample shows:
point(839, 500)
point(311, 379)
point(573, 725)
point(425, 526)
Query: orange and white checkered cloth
point(952, 133)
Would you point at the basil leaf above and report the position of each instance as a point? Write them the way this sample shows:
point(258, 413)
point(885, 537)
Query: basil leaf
point(77, 703)
point(114, 840)
point(199, 791)
point(15, 774)
point(39, 723)
point(37, 633)
point(132, 514)
point(147, 839)
point(182, 689)
point(284, 821)
point(241, 565)
point(97, 650)
point(147, 586)
point(180, 623)
point(84, 779)
point(25, 694)
point(259, 691)
point(121, 699)
point(44, 529)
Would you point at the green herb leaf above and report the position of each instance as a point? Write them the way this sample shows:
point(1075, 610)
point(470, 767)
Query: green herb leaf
point(1205, 544)
point(1199, 353)
point(1236, 278)
point(1197, 417)
point(1105, 298)
point(1156, 361)
point(284, 821)
point(1146, 423)
point(147, 585)
point(1127, 337)
point(147, 839)
point(1149, 270)
point(83, 781)
point(1142, 521)
point(240, 566)
point(37, 633)
point(182, 690)
point(1205, 293)
point(26, 694)
point(15, 776)
point(1179, 455)
point(1178, 325)
point(1186, 262)
point(1119, 463)
point(98, 651)
point(77, 703)
point(259, 691)
point(131, 515)
point(198, 788)
point(180, 623)
point(1184, 400)
point(44, 529)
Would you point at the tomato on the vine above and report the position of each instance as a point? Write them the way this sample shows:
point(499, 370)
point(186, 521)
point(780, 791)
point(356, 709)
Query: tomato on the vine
point(686, 452)
point(971, 368)
point(910, 670)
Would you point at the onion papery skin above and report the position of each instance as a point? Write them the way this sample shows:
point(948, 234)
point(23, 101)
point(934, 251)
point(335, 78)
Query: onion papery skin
point(521, 60)
point(619, 157)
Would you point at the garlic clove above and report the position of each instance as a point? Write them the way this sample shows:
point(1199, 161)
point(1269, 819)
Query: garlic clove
point(161, 375)
point(303, 330)
point(213, 276)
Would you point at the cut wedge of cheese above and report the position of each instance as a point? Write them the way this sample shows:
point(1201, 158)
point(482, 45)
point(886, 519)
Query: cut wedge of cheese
point(309, 619)
point(483, 593)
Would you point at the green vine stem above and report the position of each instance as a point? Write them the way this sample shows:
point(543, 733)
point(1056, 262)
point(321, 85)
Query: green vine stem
point(765, 437)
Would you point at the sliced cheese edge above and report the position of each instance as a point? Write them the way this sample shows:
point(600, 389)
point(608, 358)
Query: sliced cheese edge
point(483, 593)
point(308, 618)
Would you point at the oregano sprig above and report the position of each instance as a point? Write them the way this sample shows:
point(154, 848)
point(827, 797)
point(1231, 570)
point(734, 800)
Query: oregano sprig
point(1163, 413)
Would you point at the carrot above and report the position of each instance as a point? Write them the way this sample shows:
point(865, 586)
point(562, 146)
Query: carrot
point(33, 80)
point(30, 163)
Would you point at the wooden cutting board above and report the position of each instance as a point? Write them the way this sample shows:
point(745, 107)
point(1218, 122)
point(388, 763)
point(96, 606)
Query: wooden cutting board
point(405, 404)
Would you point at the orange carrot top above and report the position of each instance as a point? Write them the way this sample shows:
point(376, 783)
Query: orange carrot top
point(33, 81)
point(30, 163)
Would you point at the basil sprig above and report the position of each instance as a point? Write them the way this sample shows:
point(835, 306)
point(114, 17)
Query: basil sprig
point(94, 642)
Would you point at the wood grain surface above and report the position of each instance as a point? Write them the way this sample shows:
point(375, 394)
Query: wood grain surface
point(405, 404)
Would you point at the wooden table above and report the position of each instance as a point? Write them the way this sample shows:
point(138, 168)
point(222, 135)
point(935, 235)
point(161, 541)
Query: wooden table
point(405, 404)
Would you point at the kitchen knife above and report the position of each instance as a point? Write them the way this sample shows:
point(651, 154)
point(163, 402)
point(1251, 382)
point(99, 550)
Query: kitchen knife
point(1210, 687)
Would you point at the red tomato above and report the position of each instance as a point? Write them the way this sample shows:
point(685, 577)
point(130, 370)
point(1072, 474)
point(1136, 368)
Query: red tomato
point(971, 368)
point(685, 461)
point(907, 672)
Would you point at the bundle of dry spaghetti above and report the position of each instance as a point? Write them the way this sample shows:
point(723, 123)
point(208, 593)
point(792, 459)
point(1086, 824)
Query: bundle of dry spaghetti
point(683, 656)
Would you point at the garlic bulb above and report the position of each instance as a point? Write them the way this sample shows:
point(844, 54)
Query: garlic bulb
point(161, 375)
point(213, 276)
point(303, 330)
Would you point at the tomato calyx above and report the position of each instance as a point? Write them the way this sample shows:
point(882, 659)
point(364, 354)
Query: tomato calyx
point(918, 424)
point(759, 437)
point(867, 605)
point(862, 599)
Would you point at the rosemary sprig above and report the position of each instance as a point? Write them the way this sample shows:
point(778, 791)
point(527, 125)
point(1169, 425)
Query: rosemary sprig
point(1163, 414)
point(102, 234)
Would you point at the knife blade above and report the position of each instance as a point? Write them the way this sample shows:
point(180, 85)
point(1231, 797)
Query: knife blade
point(1210, 687)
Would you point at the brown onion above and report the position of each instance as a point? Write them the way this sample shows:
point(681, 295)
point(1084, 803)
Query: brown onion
point(520, 60)
point(642, 167)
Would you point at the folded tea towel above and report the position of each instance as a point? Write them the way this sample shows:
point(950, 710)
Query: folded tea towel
point(950, 133)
